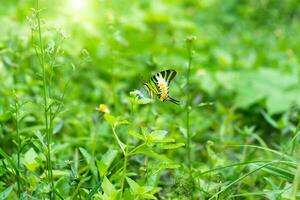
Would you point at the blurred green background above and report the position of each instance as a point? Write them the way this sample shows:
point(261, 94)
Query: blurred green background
point(245, 61)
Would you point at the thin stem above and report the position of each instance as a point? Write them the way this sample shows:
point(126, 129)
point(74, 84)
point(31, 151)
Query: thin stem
point(18, 148)
point(240, 179)
point(126, 157)
point(293, 141)
point(124, 166)
point(189, 42)
point(118, 140)
point(136, 148)
point(46, 114)
point(296, 183)
point(188, 105)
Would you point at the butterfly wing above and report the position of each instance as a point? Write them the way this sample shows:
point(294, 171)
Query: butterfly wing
point(159, 85)
point(168, 75)
point(151, 87)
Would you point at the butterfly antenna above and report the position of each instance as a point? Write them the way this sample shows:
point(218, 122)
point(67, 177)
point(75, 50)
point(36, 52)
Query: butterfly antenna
point(174, 101)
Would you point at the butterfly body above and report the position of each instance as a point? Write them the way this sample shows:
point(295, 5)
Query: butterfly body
point(159, 85)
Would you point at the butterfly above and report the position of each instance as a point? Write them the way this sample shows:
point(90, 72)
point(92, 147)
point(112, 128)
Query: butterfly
point(159, 85)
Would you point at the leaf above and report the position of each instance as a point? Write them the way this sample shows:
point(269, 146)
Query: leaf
point(58, 127)
point(251, 86)
point(133, 185)
point(93, 191)
point(7, 157)
point(60, 173)
point(156, 136)
point(279, 172)
point(4, 194)
point(108, 188)
point(151, 153)
point(112, 120)
point(168, 166)
point(136, 135)
point(30, 160)
point(148, 196)
point(183, 131)
point(40, 137)
point(56, 173)
point(269, 119)
point(137, 97)
point(90, 161)
point(279, 101)
point(128, 195)
point(171, 146)
point(85, 154)
point(142, 191)
point(106, 161)
point(122, 122)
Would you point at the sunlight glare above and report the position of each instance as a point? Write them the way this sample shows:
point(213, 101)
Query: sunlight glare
point(77, 5)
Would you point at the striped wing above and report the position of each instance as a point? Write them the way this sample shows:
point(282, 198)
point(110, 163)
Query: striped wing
point(159, 85)
point(168, 75)
point(151, 88)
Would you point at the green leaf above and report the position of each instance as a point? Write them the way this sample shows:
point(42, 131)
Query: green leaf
point(168, 166)
point(142, 191)
point(89, 160)
point(7, 157)
point(106, 161)
point(279, 101)
point(60, 173)
point(58, 127)
point(151, 153)
point(156, 136)
point(251, 86)
point(148, 196)
point(108, 189)
point(269, 119)
point(93, 191)
point(171, 146)
point(85, 154)
point(128, 195)
point(133, 185)
point(112, 120)
point(279, 172)
point(137, 97)
point(30, 160)
point(136, 135)
point(4, 194)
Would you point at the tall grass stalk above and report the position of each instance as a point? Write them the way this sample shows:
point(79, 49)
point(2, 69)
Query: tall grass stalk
point(294, 139)
point(124, 165)
point(189, 42)
point(47, 112)
point(17, 110)
point(225, 188)
point(296, 183)
point(126, 154)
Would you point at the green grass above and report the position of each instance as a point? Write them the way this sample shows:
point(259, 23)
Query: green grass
point(76, 122)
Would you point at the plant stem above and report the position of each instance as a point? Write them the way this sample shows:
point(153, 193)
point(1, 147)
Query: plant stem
point(124, 166)
point(118, 140)
point(296, 183)
point(189, 42)
point(126, 157)
point(188, 105)
point(18, 148)
point(46, 111)
point(293, 141)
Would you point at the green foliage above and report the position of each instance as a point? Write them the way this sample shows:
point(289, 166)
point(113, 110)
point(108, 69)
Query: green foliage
point(235, 134)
